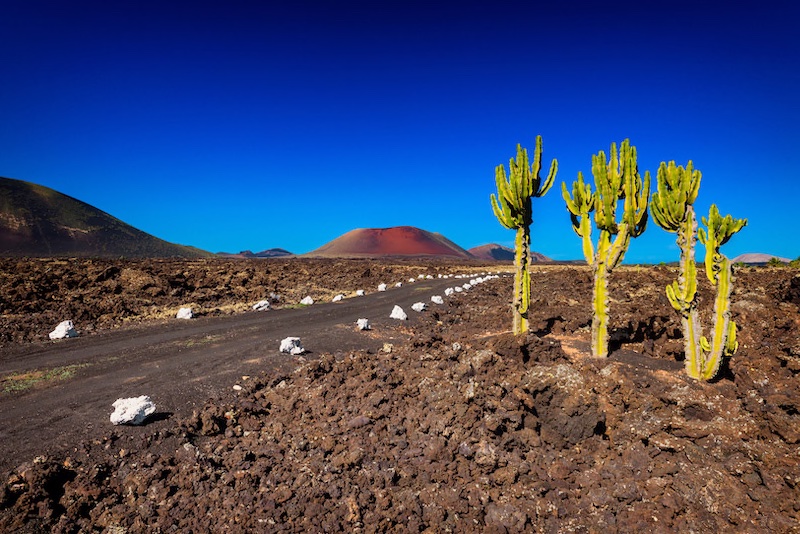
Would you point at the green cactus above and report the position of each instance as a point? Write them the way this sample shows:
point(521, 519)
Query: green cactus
point(615, 179)
point(672, 207)
point(513, 208)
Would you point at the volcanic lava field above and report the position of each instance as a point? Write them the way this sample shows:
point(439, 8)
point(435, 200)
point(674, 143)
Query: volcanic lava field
point(444, 422)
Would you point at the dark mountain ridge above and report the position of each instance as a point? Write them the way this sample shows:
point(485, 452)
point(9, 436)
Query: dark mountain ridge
point(36, 221)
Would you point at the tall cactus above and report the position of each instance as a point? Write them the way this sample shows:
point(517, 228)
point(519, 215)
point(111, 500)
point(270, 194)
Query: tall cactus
point(615, 179)
point(513, 208)
point(673, 210)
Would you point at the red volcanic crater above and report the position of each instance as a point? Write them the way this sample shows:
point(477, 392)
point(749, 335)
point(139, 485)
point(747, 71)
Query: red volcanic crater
point(396, 241)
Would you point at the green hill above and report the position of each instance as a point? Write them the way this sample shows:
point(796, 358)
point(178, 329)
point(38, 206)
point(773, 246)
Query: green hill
point(38, 221)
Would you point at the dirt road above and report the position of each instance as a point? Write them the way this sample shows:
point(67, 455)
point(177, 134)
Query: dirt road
point(179, 364)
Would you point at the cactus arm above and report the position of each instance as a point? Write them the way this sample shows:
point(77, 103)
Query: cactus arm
point(521, 173)
point(541, 190)
point(619, 245)
point(708, 238)
point(719, 231)
point(551, 177)
point(580, 204)
point(636, 192)
point(607, 184)
point(586, 239)
point(501, 212)
point(502, 203)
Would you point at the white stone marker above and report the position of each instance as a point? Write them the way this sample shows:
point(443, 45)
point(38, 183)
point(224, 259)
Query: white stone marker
point(132, 411)
point(64, 330)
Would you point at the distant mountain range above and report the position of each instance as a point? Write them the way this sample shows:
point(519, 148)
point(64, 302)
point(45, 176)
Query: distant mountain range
point(757, 258)
point(501, 253)
point(38, 221)
point(246, 254)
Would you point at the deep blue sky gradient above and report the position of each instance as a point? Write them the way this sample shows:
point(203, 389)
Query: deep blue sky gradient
point(250, 125)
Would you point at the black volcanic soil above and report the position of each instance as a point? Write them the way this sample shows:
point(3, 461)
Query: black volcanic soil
point(464, 427)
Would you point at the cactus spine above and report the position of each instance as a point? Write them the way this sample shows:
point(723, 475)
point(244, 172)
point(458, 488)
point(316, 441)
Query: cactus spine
point(615, 179)
point(672, 206)
point(513, 208)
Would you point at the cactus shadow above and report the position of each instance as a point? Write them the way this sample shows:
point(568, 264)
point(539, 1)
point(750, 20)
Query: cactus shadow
point(636, 359)
point(618, 337)
point(545, 327)
point(725, 372)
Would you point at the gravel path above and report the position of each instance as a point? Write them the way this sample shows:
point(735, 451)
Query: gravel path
point(179, 364)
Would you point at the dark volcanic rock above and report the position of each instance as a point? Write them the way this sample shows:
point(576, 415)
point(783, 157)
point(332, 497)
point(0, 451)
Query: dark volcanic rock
point(498, 434)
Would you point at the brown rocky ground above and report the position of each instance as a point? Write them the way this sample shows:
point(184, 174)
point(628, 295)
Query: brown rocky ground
point(37, 294)
point(466, 428)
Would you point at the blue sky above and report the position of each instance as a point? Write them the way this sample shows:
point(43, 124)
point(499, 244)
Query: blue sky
point(250, 125)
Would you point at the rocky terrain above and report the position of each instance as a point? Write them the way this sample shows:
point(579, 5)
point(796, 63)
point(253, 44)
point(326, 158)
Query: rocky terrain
point(97, 294)
point(461, 427)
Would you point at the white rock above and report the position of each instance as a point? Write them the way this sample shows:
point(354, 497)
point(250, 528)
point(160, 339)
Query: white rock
point(458, 289)
point(307, 301)
point(292, 345)
point(132, 411)
point(261, 305)
point(64, 329)
point(467, 286)
point(398, 313)
point(449, 291)
point(419, 306)
point(363, 324)
point(412, 280)
point(428, 277)
point(437, 299)
point(185, 313)
point(381, 287)
point(338, 297)
point(360, 293)
point(399, 284)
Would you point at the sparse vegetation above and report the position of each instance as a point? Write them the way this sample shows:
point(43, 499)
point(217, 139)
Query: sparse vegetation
point(17, 382)
point(673, 210)
point(513, 208)
point(616, 179)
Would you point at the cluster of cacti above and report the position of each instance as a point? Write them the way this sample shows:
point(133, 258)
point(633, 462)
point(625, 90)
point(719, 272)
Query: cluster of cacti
point(672, 207)
point(513, 208)
point(616, 179)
